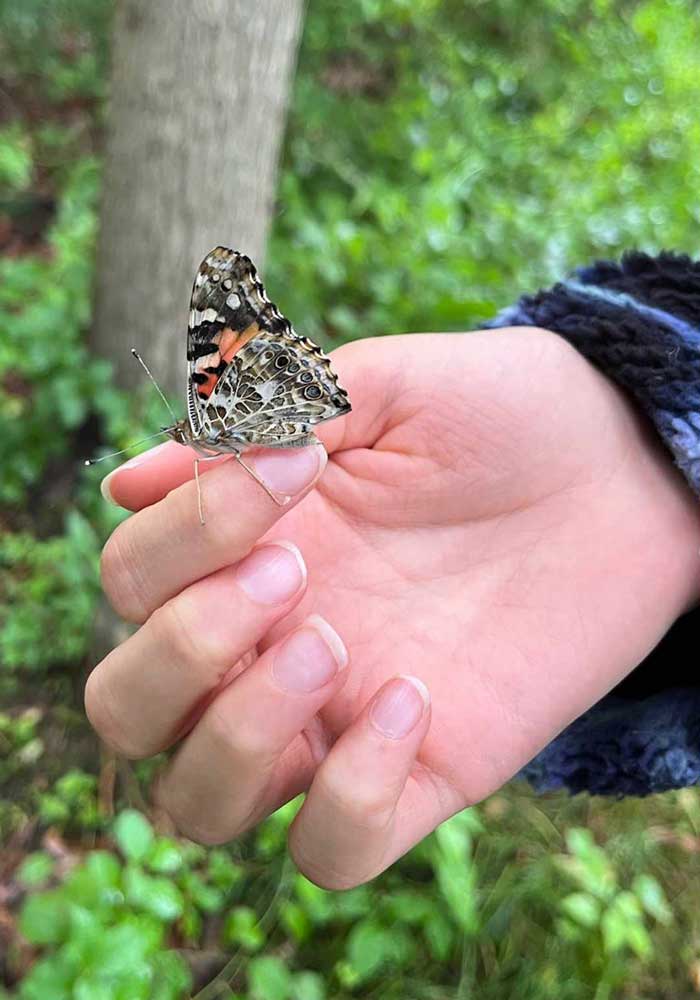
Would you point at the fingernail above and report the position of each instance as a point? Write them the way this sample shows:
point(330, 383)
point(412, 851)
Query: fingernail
point(272, 574)
point(310, 658)
point(399, 707)
point(133, 463)
point(105, 491)
point(288, 471)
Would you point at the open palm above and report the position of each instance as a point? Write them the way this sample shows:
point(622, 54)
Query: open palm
point(491, 523)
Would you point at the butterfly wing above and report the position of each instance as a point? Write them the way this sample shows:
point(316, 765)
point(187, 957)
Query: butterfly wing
point(221, 319)
point(276, 389)
point(252, 378)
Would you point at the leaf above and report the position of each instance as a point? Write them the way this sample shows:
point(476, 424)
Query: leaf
point(622, 924)
point(652, 898)
point(171, 977)
point(35, 869)
point(207, 898)
point(316, 902)
point(44, 918)
point(408, 906)
point(369, 947)
point(49, 977)
point(639, 940)
point(588, 865)
point(309, 986)
point(582, 908)
point(242, 927)
point(128, 945)
point(439, 934)
point(269, 979)
point(153, 894)
point(104, 869)
point(93, 987)
point(95, 883)
point(223, 872)
point(456, 874)
point(164, 856)
point(295, 920)
point(133, 834)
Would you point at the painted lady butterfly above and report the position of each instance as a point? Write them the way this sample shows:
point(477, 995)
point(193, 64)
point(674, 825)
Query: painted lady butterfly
point(251, 379)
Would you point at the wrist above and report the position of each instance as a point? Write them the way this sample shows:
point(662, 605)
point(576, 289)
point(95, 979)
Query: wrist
point(675, 524)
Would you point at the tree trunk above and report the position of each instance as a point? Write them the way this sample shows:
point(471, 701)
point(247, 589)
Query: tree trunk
point(199, 94)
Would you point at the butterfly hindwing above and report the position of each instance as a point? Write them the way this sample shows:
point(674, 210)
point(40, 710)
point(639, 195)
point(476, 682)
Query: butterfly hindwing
point(276, 388)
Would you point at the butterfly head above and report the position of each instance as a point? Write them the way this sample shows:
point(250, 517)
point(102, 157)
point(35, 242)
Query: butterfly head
point(180, 432)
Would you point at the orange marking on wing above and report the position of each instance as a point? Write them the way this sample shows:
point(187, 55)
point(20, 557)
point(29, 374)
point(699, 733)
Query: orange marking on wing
point(205, 390)
point(231, 341)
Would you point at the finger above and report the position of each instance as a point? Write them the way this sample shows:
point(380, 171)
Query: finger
point(150, 476)
point(369, 802)
point(150, 689)
point(162, 549)
point(247, 754)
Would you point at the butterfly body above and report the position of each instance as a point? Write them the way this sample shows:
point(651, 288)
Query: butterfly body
point(251, 379)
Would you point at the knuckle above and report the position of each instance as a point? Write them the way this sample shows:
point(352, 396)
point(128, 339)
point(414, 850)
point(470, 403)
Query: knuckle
point(103, 716)
point(363, 805)
point(177, 628)
point(305, 857)
point(211, 823)
point(121, 578)
point(228, 532)
point(242, 741)
point(201, 832)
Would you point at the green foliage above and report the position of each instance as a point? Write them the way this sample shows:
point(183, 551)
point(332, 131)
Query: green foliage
point(35, 870)
point(60, 44)
point(478, 151)
point(587, 920)
point(604, 922)
point(20, 741)
point(15, 158)
point(101, 937)
point(71, 804)
point(103, 929)
point(48, 593)
point(47, 387)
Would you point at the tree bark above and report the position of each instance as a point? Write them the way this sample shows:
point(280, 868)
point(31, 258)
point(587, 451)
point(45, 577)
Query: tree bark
point(199, 94)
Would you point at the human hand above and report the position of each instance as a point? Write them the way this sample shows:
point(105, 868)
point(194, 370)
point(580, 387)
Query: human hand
point(494, 519)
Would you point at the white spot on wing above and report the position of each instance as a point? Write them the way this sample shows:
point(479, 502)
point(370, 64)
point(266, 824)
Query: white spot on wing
point(267, 390)
point(233, 301)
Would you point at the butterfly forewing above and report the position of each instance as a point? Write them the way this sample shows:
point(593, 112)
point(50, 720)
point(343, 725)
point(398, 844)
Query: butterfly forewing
point(251, 378)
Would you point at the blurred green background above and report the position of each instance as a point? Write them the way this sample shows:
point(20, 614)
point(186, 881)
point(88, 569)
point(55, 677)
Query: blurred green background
point(440, 157)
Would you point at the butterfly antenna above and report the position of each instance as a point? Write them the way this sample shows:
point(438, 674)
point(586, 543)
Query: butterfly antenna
point(94, 461)
point(157, 387)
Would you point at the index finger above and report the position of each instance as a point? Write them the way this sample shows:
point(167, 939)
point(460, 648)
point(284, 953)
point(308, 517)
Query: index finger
point(153, 474)
point(164, 548)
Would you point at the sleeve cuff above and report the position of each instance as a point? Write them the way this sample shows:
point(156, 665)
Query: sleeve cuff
point(639, 322)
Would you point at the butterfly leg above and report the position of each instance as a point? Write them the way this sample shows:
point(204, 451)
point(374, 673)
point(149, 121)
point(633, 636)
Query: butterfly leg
point(206, 458)
point(199, 491)
point(280, 501)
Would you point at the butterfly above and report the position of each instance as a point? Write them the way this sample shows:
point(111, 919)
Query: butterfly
point(252, 381)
